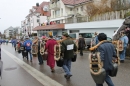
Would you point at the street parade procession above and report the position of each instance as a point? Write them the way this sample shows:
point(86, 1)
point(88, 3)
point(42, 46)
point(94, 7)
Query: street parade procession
point(104, 56)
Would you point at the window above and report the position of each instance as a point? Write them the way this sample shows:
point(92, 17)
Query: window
point(53, 14)
point(70, 9)
point(57, 13)
point(38, 20)
point(72, 35)
point(82, 8)
point(61, 11)
point(86, 35)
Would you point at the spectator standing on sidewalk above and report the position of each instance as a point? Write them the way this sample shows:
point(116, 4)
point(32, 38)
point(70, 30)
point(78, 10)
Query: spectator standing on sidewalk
point(96, 38)
point(125, 40)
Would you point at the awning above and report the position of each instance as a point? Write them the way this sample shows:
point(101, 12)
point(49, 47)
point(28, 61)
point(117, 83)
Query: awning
point(49, 27)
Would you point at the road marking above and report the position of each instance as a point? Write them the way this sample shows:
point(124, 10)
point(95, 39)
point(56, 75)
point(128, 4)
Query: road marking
point(42, 78)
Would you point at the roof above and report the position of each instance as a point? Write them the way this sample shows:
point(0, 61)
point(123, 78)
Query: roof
point(96, 24)
point(49, 27)
point(73, 2)
point(40, 9)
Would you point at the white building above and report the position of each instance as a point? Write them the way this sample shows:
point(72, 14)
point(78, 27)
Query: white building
point(37, 17)
point(13, 32)
point(65, 11)
point(9, 32)
point(108, 27)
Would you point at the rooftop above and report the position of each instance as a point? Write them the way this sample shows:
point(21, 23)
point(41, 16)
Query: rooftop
point(74, 2)
point(49, 27)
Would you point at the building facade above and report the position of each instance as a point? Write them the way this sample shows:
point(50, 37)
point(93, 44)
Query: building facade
point(38, 16)
point(13, 32)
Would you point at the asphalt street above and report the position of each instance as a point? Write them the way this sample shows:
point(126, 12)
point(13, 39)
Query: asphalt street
point(20, 72)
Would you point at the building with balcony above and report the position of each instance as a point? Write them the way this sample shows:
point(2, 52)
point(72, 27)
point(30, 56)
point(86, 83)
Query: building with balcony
point(9, 32)
point(13, 32)
point(38, 16)
point(67, 11)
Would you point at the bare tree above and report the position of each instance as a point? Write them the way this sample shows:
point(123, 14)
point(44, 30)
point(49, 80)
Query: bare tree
point(104, 6)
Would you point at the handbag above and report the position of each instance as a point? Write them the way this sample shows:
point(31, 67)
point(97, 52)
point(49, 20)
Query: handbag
point(74, 58)
point(60, 62)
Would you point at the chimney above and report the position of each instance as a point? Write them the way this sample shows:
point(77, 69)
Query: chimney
point(37, 4)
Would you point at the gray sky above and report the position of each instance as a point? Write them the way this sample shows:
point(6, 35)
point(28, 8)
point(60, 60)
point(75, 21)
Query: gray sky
point(12, 12)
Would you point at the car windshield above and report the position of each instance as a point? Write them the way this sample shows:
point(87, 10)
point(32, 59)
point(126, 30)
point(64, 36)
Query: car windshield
point(86, 35)
point(72, 35)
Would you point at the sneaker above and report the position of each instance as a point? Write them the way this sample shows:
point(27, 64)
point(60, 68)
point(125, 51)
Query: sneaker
point(40, 63)
point(68, 77)
point(65, 75)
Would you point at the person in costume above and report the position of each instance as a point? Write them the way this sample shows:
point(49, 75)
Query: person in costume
point(125, 40)
point(68, 48)
point(50, 49)
point(107, 54)
point(40, 58)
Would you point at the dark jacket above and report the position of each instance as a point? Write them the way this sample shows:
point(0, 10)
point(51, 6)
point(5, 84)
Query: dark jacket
point(81, 43)
point(107, 54)
point(65, 48)
point(0, 51)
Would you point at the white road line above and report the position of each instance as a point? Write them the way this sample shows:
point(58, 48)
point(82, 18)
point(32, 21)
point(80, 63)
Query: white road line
point(42, 78)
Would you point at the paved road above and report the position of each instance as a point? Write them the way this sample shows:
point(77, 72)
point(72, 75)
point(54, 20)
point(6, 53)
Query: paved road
point(19, 72)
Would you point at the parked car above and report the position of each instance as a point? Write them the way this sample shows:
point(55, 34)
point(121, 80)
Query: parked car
point(87, 36)
point(92, 40)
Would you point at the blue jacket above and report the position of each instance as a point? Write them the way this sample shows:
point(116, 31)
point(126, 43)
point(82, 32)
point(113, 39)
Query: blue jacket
point(28, 44)
point(107, 54)
point(125, 40)
point(96, 40)
point(15, 42)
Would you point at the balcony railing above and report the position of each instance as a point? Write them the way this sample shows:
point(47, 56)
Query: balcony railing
point(57, 15)
point(70, 13)
point(55, 6)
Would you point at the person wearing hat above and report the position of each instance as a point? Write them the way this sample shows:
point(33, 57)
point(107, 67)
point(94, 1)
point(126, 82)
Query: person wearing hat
point(28, 44)
point(50, 50)
point(68, 48)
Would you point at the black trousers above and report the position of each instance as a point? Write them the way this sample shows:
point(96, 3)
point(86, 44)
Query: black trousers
point(40, 59)
point(81, 52)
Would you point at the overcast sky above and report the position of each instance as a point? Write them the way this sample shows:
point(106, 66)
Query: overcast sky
point(12, 12)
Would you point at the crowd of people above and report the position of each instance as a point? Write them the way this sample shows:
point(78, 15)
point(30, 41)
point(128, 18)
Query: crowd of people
point(27, 46)
point(69, 47)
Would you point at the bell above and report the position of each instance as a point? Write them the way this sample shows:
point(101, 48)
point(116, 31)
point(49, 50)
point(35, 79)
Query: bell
point(99, 78)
